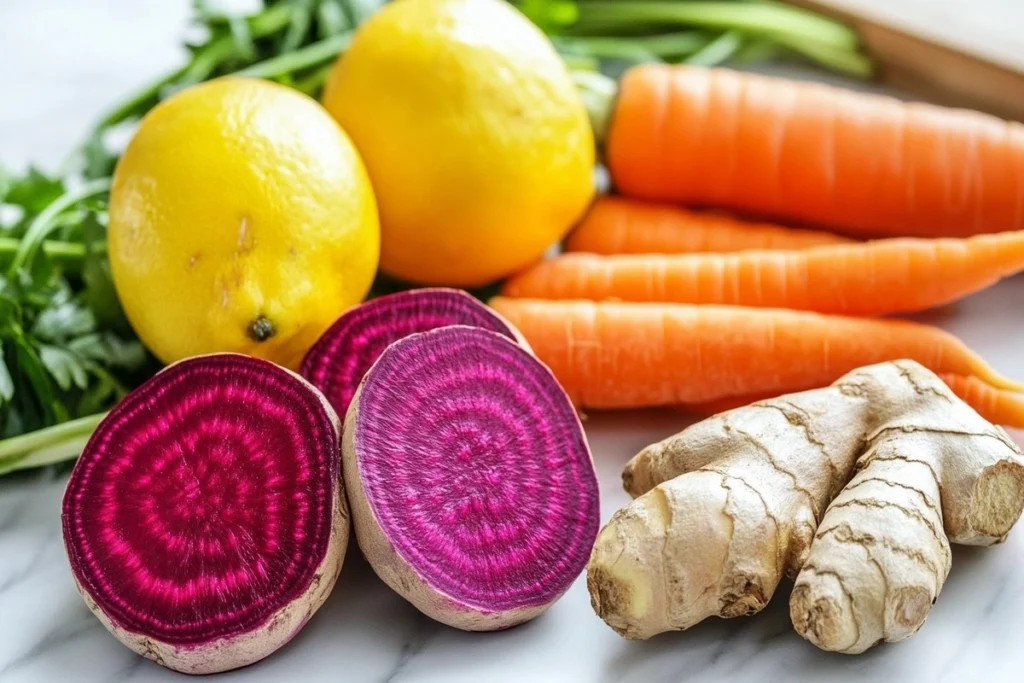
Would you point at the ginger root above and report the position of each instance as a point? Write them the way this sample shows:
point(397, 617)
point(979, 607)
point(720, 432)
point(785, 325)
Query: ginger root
point(728, 507)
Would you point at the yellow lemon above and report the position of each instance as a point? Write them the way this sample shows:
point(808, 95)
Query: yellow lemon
point(241, 219)
point(477, 143)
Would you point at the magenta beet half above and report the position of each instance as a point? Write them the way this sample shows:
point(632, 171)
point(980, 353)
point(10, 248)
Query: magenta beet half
point(205, 521)
point(337, 362)
point(472, 487)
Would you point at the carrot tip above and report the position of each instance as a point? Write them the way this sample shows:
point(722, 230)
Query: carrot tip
point(996, 380)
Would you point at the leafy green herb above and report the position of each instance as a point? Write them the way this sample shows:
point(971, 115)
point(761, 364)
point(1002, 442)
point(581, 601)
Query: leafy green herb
point(54, 351)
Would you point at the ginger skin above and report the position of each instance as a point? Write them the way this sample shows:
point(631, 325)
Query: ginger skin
point(729, 506)
point(881, 554)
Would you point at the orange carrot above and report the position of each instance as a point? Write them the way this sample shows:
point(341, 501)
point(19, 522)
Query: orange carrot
point(871, 278)
point(615, 225)
point(995, 405)
point(862, 164)
point(618, 355)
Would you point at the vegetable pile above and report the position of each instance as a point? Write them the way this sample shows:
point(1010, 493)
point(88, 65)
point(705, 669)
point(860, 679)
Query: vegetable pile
point(207, 518)
point(857, 490)
point(950, 225)
point(66, 350)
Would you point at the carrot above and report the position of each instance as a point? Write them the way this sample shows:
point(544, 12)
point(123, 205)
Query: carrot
point(618, 355)
point(995, 405)
point(615, 225)
point(871, 278)
point(862, 164)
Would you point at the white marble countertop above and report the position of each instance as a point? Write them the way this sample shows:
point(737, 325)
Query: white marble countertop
point(63, 60)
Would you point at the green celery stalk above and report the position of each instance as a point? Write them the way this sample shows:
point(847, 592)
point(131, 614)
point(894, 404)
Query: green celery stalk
point(48, 446)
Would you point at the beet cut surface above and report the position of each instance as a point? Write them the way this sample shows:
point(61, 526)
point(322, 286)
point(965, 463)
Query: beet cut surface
point(205, 509)
point(340, 358)
point(472, 486)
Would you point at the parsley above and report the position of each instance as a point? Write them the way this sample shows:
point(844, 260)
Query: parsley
point(67, 352)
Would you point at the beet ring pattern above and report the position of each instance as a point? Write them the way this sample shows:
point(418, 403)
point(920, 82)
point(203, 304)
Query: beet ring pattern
point(343, 354)
point(205, 521)
point(473, 490)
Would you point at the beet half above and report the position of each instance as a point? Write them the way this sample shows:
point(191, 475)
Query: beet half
point(337, 362)
point(206, 521)
point(472, 487)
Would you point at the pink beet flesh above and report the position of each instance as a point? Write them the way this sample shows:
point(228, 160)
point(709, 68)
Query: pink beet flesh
point(476, 468)
point(337, 362)
point(203, 504)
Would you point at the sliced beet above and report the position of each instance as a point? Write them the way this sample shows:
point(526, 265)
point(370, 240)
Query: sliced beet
point(472, 488)
point(338, 361)
point(206, 521)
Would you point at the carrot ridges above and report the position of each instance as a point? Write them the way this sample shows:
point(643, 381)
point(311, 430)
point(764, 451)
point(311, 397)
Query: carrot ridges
point(865, 279)
point(613, 354)
point(615, 225)
point(862, 164)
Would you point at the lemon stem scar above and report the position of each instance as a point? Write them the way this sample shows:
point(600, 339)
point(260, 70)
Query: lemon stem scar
point(261, 329)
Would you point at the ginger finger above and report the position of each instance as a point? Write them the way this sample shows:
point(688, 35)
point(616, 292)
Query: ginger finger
point(881, 554)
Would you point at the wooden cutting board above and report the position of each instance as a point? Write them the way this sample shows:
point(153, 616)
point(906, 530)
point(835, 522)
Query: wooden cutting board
point(967, 53)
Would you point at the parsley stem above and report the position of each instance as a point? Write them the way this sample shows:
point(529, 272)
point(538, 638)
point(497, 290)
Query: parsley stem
point(758, 19)
point(635, 48)
point(42, 224)
point(265, 23)
point(66, 253)
point(290, 62)
point(817, 38)
point(141, 100)
point(49, 446)
point(717, 51)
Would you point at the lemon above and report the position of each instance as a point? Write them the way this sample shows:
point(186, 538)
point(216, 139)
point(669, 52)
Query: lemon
point(475, 139)
point(241, 219)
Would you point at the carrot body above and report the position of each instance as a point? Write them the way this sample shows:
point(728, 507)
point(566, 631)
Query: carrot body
point(619, 355)
point(871, 278)
point(995, 405)
point(615, 225)
point(863, 164)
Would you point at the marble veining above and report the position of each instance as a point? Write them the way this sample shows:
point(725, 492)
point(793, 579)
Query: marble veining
point(64, 60)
